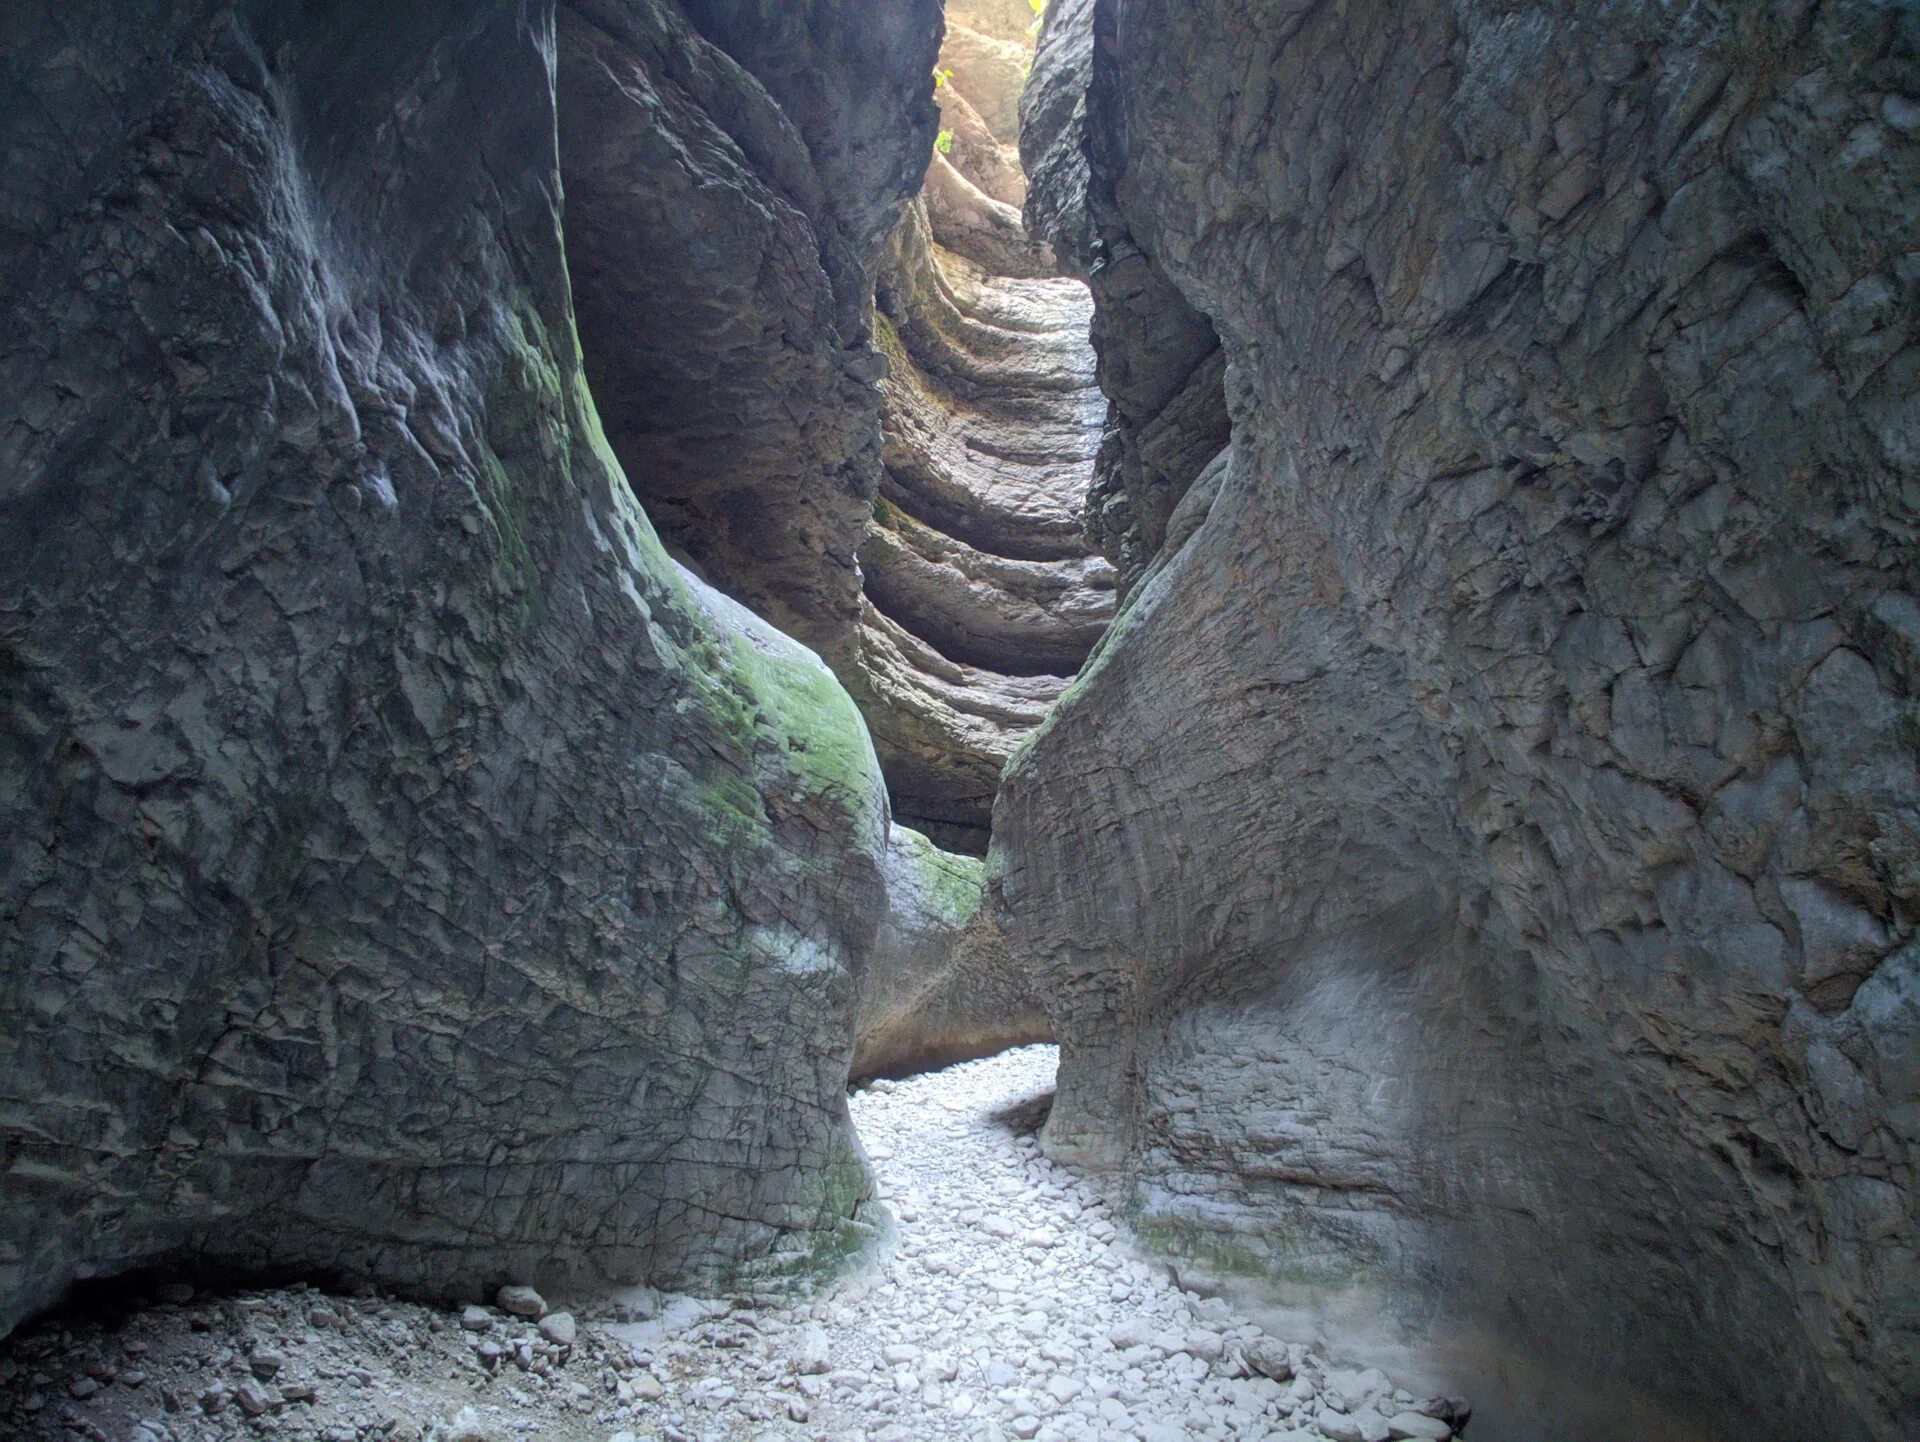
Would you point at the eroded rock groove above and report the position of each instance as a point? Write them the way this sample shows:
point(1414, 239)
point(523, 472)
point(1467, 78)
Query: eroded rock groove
point(983, 597)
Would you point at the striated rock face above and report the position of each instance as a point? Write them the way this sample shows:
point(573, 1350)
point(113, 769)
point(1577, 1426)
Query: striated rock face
point(970, 222)
point(409, 869)
point(729, 172)
point(981, 596)
point(1474, 883)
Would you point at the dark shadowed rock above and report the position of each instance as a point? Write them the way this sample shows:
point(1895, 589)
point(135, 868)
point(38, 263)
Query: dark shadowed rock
point(410, 870)
point(1548, 983)
point(728, 174)
point(1160, 364)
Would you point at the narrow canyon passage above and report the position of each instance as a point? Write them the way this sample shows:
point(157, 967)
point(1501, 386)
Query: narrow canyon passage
point(981, 594)
point(982, 600)
point(617, 615)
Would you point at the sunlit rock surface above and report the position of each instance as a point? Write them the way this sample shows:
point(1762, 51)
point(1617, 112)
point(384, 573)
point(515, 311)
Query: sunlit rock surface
point(982, 595)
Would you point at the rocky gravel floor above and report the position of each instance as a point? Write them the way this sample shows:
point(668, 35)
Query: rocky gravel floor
point(1010, 1304)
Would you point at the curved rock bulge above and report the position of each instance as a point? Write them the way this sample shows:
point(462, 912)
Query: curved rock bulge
point(1540, 975)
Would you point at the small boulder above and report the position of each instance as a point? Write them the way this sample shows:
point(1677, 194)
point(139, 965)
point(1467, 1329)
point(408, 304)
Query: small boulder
point(1064, 1389)
point(521, 1302)
point(812, 1357)
point(558, 1328)
point(1269, 1358)
point(1365, 1425)
point(1207, 1346)
point(938, 1367)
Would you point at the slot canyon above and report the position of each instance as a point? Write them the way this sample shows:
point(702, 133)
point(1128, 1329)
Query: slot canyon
point(1085, 720)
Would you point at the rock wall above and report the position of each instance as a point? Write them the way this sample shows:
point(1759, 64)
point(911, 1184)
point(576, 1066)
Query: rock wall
point(737, 177)
point(1474, 882)
point(1160, 363)
point(410, 870)
point(724, 200)
point(940, 985)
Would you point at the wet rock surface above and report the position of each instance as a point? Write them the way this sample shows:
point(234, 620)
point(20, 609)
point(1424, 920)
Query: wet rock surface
point(1010, 1304)
point(1550, 627)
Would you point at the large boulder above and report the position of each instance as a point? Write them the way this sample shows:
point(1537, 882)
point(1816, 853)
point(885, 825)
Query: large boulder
point(410, 871)
point(939, 986)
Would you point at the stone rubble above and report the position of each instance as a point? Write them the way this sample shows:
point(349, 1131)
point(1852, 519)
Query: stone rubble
point(1009, 1304)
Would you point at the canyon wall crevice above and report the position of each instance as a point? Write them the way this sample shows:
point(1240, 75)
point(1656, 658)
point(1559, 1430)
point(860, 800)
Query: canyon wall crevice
point(1547, 988)
point(1160, 368)
point(724, 202)
point(981, 594)
point(724, 242)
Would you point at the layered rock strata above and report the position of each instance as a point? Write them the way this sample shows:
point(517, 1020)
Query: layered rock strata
point(981, 595)
point(722, 243)
point(1474, 882)
point(411, 871)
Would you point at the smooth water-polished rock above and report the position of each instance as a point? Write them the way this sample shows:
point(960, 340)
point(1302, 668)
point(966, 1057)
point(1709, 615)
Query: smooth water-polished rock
point(410, 870)
point(939, 985)
point(981, 595)
point(1474, 882)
